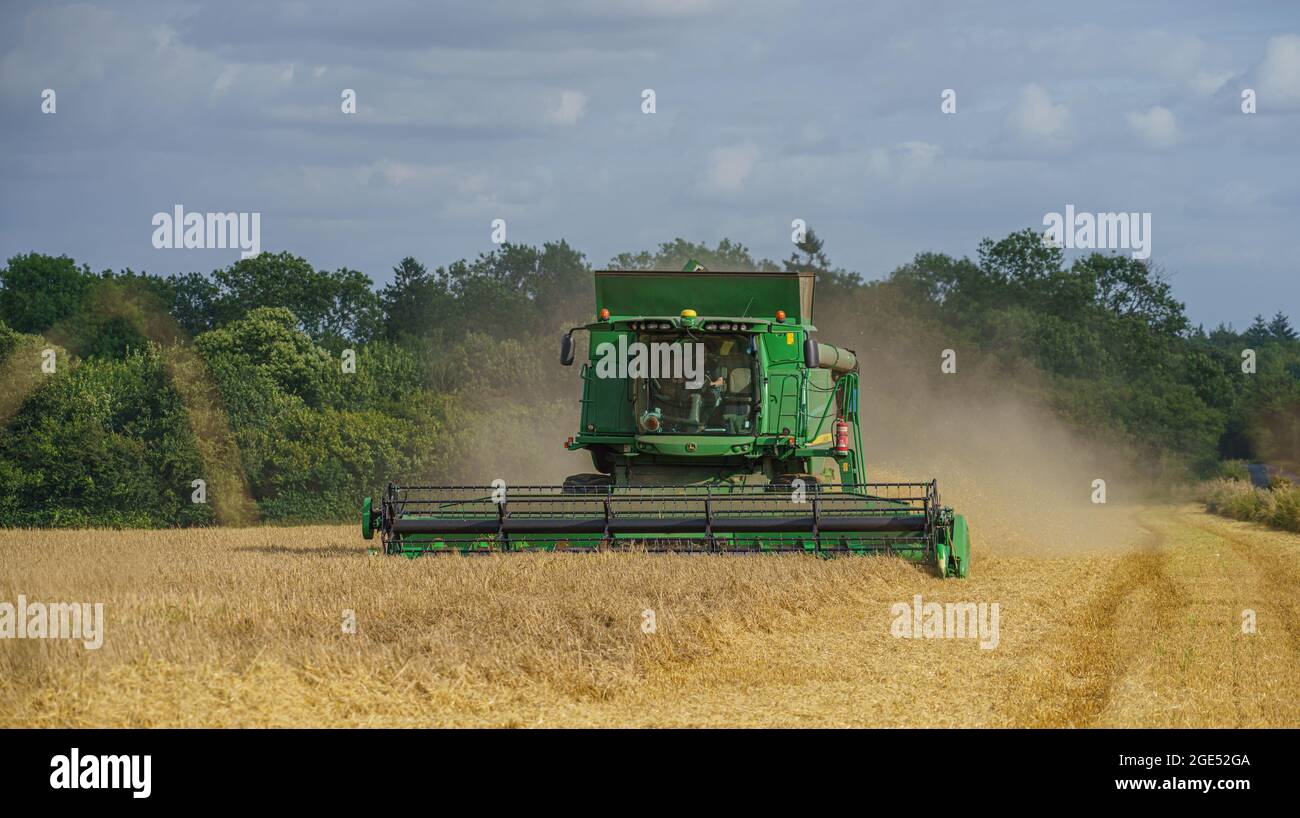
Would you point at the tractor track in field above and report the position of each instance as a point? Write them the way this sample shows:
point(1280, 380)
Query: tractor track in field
point(1279, 576)
point(1105, 640)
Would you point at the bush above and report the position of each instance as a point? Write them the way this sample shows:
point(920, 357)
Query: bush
point(1275, 506)
point(9, 340)
point(101, 443)
point(312, 438)
point(1233, 470)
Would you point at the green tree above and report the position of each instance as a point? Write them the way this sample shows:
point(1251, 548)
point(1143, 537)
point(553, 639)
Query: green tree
point(1258, 332)
point(935, 278)
point(810, 254)
point(517, 290)
point(268, 340)
point(193, 301)
point(1132, 288)
point(1224, 336)
point(1022, 260)
point(673, 255)
point(313, 439)
point(102, 443)
point(1279, 329)
point(331, 307)
point(38, 291)
point(415, 302)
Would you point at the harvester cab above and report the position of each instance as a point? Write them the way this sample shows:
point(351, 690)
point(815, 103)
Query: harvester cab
point(715, 423)
point(696, 377)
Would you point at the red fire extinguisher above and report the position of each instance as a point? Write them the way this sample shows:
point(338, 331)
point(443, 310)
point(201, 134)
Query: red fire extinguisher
point(841, 435)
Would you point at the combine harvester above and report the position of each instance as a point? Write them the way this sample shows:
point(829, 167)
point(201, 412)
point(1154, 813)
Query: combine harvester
point(715, 424)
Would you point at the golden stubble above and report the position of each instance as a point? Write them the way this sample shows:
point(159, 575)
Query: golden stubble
point(244, 627)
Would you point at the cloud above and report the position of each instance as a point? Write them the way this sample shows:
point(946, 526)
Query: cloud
point(730, 166)
point(904, 164)
point(473, 107)
point(1157, 127)
point(1208, 83)
point(919, 155)
point(1277, 78)
point(80, 46)
point(225, 80)
point(391, 172)
point(1036, 118)
point(570, 108)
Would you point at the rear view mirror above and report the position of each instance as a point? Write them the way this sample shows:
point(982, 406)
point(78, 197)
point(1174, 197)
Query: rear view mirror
point(811, 358)
point(566, 350)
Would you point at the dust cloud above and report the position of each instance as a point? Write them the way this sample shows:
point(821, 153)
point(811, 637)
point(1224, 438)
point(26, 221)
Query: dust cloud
point(1022, 477)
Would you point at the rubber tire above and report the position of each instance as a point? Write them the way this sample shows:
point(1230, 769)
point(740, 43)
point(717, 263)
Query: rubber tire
point(784, 484)
point(603, 459)
point(586, 484)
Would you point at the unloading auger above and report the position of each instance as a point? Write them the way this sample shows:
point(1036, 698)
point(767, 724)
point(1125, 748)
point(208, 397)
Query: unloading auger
point(716, 424)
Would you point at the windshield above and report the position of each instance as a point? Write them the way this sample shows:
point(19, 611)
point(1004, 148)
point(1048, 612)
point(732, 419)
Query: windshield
point(716, 398)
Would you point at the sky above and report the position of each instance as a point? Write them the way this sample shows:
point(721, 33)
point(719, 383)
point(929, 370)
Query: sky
point(765, 112)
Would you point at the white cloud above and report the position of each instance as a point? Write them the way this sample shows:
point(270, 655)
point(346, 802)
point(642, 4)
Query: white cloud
point(225, 80)
point(1035, 117)
point(903, 163)
point(1156, 126)
point(1278, 76)
point(1209, 82)
point(918, 155)
point(730, 166)
point(78, 46)
point(391, 172)
point(571, 107)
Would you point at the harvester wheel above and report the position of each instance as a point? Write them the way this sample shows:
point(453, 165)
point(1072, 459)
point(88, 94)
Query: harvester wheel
point(587, 483)
point(784, 483)
point(602, 457)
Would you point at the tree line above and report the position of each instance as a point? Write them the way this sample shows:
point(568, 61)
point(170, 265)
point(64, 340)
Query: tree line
point(311, 387)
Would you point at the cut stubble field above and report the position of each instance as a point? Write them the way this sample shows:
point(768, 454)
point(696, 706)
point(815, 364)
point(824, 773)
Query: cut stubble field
point(244, 627)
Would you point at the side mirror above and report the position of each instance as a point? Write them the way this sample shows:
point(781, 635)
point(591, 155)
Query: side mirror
point(566, 350)
point(811, 356)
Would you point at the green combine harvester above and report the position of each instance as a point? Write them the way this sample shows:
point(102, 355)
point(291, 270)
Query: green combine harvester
point(715, 423)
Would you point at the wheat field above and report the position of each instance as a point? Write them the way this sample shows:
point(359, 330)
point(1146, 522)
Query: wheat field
point(244, 627)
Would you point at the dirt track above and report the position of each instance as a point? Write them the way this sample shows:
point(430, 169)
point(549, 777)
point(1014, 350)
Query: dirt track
point(241, 627)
